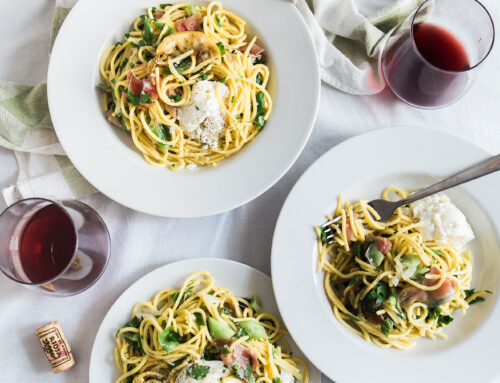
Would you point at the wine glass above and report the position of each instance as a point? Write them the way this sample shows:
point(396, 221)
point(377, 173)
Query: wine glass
point(432, 60)
point(57, 248)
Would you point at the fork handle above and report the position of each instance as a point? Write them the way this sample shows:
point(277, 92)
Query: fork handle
point(483, 168)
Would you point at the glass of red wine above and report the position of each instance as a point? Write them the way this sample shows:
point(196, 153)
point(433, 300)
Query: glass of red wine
point(59, 248)
point(432, 60)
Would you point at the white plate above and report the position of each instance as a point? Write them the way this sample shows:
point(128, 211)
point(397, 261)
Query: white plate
point(106, 157)
point(241, 279)
point(360, 168)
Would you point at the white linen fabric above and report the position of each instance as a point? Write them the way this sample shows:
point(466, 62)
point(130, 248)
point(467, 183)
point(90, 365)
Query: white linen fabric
point(141, 243)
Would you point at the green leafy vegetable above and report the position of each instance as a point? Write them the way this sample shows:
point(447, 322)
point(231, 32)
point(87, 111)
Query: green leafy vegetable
point(179, 67)
point(217, 20)
point(190, 10)
point(376, 295)
point(199, 319)
point(169, 339)
point(256, 304)
point(277, 380)
point(145, 98)
point(175, 98)
point(321, 230)
point(387, 326)
point(444, 320)
point(204, 76)
point(163, 133)
point(104, 87)
point(261, 102)
point(420, 273)
point(197, 372)
point(352, 317)
point(248, 371)
point(147, 35)
point(223, 80)
point(254, 329)
point(226, 350)
point(434, 312)
point(469, 293)
point(259, 79)
point(437, 252)
point(164, 5)
point(221, 48)
point(241, 332)
point(260, 60)
point(219, 330)
point(355, 279)
point(374, 256)
point(158, 25)
point(225, 311)
point(357, 250)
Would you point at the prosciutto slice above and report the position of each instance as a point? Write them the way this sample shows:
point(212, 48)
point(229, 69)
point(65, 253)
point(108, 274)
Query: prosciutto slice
point(191, 23)
point(137, 86)
point(255, 50)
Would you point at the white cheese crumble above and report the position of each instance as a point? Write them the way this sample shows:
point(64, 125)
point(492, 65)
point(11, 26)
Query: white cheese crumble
point(217, 371)
point(202, 118)
point(442, 221)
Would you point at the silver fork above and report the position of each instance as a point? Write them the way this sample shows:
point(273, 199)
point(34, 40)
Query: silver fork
point(385, 209)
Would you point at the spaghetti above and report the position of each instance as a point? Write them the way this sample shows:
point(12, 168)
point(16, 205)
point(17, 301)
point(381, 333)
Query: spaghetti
point(150, 76)
point(191, 330)
point(385, 283)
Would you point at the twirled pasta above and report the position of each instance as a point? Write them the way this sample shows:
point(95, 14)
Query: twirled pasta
point(370, 293)
point(140, 356)
point(219, 51)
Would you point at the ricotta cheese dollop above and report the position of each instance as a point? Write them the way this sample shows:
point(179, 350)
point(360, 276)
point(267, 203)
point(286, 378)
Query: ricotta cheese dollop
point(442, 221)
point(202, 119)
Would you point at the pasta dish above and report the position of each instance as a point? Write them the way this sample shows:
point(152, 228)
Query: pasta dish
point(201, 333)
point(188, 84)
point(397, 281)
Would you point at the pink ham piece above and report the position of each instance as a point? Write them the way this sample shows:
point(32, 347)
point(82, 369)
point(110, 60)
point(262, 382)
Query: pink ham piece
point(435, 297)
point(240, 356)
point(158, 13)
point(382, 244)
point(255, 50)
point(114, 120)
point(137, 86)
point(192, 23)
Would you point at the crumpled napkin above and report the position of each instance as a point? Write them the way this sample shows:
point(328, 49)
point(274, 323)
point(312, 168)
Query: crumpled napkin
point(348, 44)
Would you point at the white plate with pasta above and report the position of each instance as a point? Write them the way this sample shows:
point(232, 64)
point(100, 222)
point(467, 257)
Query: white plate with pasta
point(393, 302)
point(200, 320)
point(183, 109)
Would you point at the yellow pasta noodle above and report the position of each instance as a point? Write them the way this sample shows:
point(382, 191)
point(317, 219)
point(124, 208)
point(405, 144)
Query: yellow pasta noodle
point(385, 283)
point(169, 61)
point(172, 330)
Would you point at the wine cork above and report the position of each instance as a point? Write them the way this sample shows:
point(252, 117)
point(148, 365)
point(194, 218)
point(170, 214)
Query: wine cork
point(55, 346)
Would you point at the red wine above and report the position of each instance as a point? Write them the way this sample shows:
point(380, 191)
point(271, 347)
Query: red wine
point(410, 66)
point(47, 243)
point(440, 47)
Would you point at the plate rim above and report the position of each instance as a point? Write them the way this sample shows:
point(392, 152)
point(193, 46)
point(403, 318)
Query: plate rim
point(191, 264)
point(286, 313)
point(113, 194)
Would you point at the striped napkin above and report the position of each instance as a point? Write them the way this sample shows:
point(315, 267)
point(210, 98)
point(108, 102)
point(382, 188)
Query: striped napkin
point(348, 47)
point(26, 128)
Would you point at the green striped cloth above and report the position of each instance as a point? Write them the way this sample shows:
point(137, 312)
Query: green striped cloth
point(26, 128)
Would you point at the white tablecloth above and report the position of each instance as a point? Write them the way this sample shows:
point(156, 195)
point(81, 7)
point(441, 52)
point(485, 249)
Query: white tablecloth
point(141, 243)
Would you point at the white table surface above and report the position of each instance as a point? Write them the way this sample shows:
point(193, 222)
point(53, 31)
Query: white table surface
point(141, 243)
